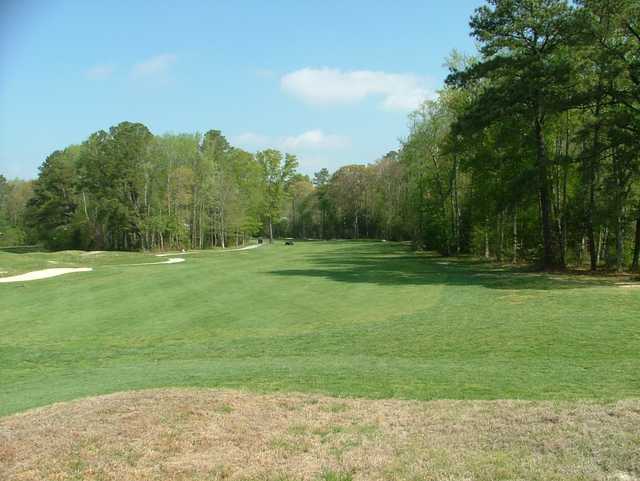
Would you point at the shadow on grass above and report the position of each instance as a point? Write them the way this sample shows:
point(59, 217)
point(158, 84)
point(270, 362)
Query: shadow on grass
point(394, 264)
point(23, 249)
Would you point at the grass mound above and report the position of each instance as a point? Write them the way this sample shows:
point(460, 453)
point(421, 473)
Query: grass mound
point(229, 435)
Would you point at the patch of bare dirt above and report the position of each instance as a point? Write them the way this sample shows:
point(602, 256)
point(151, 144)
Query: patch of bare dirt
point(180, 434)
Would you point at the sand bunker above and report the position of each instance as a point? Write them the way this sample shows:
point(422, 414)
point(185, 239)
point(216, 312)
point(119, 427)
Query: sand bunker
point(173, 260)
point(167, 254)
point(46, 273)
point(43, 274)
point(252, 246)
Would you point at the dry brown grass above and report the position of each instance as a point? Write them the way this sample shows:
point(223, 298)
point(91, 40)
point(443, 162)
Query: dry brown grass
point(179, 434)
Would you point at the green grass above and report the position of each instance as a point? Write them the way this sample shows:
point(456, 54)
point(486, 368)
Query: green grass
point(13, 262)
point(342, 318)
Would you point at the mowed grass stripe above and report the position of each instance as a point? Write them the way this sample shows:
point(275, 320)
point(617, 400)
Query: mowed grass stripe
point(360, 319)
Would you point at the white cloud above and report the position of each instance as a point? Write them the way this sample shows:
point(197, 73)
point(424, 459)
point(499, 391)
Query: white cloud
point(251, 140)
point(99, 72)
point(315, 139)
point(327, 86)
point(157, 66)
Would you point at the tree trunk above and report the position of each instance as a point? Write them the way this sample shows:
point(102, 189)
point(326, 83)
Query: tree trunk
point(635, 265)
point(619, 243)
point(84, 203)
point(602, 244)
point(222, 226)
point(355, 227)
point(594, 255)
point(549, 258)
point(499, 237)
point(486, 240)
point(580, 250)
point(453, 198)
point(592, 169)
point(270, 231)
point(201, 226)
point(293, 217)
point(515, 235)
point(563, 222)
point(193, 217)
point(456, 205)
point(620, 199)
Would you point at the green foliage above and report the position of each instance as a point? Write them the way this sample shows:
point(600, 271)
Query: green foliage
point(126, 189)
point(544, 126)
point(14, 195)
point(530, 152)
point(51, 210)
point(277, 174)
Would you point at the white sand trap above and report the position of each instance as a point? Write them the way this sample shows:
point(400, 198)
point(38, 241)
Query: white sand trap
point(629, 285)
point(173, 260)
point(92, 253)
point(167, 254)
point(252, 246)
point(43, 274)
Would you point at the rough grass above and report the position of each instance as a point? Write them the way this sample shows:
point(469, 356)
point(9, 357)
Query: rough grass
point(228, 435)
point(359, 319)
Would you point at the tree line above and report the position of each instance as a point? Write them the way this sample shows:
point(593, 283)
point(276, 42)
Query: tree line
point(530, 152)
point(540, 151)
point(14, 195)
point(127, 189)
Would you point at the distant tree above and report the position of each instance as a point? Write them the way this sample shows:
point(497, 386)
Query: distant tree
point(112, 172)
point(321, 182)
point(348, 192)
point(4, 193)
point(301, 205)
point(389, 196)
point(51, 210)
point(5, 223)
point(277, 174)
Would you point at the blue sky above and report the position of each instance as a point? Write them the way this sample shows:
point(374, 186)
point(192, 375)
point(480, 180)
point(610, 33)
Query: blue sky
point(330, 81)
